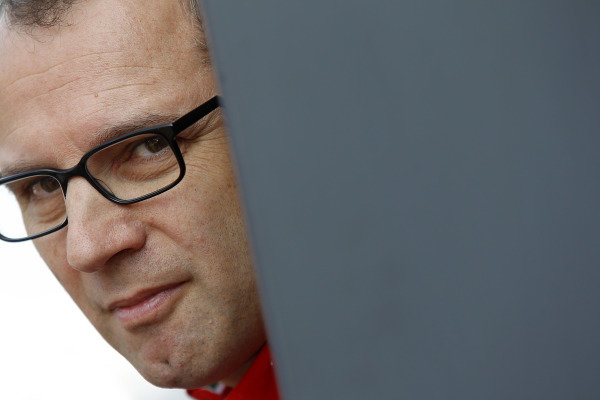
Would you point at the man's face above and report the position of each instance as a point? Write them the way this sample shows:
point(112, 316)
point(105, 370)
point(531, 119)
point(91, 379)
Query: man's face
point(168, 281)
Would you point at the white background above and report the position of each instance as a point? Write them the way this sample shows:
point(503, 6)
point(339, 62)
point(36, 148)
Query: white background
point(48, 349)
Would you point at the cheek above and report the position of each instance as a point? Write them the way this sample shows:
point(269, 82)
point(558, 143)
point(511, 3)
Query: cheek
point(209, 225)
point(203, 212)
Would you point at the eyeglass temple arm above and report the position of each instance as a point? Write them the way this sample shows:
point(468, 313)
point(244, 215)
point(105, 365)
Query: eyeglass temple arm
point(195, 115)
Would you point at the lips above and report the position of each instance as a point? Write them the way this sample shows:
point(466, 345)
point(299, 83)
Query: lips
point(146, 306)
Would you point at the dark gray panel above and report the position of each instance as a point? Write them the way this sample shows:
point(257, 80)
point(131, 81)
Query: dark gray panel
point(421, 180)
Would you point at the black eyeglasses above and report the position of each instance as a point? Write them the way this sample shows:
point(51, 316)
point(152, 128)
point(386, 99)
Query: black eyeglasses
point(125, 170)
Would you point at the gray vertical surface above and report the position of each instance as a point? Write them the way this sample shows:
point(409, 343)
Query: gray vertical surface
point(422, 184)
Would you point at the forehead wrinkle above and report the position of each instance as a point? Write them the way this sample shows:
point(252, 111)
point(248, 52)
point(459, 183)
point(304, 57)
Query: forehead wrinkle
point(106, 90)
point(50, 91)
point(60, 75)
point(126, 85)
point(60, 64)
point(125, 51)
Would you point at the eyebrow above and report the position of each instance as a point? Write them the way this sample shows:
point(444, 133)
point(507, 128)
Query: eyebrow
point(18, 167)
point(135, 123)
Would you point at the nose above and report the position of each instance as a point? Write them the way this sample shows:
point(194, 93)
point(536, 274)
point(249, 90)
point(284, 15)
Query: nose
point(98, 230)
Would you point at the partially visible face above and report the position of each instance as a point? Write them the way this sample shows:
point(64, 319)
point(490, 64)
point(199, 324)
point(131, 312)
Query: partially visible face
point(113, 62)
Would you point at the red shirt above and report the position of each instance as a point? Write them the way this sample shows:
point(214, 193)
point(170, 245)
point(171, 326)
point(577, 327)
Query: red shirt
point(258, 383)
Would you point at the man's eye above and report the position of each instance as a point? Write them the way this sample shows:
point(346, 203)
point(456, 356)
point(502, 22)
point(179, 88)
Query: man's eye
point(44, 186)
point(151, 146)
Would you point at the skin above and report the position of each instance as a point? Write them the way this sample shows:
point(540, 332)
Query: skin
point(110, 63)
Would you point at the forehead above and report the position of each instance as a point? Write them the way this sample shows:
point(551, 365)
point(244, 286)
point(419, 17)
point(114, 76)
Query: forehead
point(111, 59)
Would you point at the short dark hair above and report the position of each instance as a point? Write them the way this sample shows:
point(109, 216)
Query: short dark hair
point(48, 13)
point(43, 13)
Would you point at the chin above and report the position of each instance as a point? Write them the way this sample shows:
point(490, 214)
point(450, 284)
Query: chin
point(166, 375)
point(172, 371)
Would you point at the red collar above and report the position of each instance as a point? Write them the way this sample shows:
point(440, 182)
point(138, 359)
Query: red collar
point(258, 383)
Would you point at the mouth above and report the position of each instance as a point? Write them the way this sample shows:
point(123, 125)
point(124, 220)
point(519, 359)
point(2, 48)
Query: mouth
point(146, 306)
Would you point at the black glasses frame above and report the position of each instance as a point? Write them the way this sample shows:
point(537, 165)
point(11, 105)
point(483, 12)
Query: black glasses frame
point(169, 132)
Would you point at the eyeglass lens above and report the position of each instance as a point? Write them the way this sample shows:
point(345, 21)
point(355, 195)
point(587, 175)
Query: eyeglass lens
point(31, 206)
point(132, 168)
point(135, 167)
